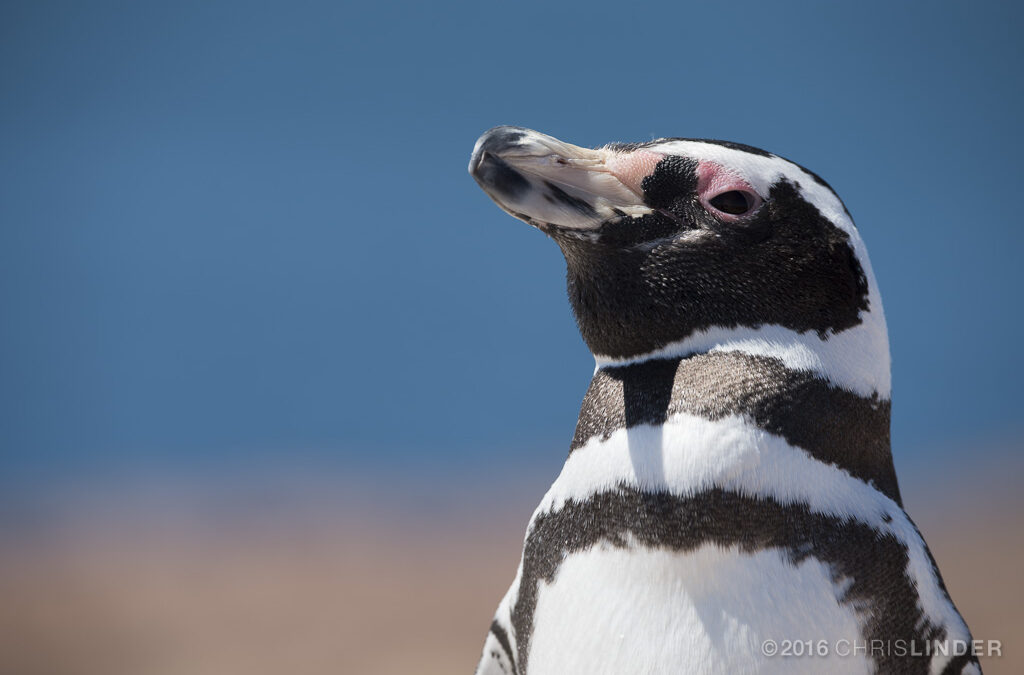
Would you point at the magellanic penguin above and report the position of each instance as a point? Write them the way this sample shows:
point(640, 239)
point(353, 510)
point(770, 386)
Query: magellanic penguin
point(729, 503)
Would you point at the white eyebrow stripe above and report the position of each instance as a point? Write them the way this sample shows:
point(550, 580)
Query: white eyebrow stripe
point(762, 172)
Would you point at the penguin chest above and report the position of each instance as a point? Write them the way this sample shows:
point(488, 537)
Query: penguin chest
point(712, 609)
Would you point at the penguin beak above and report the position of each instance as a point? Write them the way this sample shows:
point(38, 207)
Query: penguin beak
point(545, 182)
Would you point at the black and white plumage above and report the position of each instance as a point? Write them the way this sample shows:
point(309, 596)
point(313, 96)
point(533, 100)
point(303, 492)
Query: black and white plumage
point(730, 480)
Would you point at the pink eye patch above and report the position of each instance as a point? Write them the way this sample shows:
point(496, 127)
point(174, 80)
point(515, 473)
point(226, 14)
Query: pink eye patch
point(721, 192)
point(631, 168)
point(724, 194)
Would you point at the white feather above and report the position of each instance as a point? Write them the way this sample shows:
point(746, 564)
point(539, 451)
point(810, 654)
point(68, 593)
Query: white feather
point(612, 611)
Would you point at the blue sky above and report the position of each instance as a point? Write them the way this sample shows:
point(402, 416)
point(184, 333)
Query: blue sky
point(235, 230)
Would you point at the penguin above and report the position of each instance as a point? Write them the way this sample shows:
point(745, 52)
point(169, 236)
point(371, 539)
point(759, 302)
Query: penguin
point(729, 502)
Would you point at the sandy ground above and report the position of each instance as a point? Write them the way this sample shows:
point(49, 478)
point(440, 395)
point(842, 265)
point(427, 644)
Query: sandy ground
point(407, 593)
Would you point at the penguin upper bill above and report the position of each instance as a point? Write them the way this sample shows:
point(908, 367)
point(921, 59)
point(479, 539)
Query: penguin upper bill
point(668, 239)
point(551, 184)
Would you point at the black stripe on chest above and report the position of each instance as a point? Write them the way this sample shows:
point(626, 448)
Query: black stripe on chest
point(872, 564)
point(834, 425)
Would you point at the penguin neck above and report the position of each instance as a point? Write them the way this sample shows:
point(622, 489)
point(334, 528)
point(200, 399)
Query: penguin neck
point(751, 377)
point(856, 359)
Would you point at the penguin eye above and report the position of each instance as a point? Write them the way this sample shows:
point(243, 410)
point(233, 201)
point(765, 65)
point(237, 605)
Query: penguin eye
point(724, 194)
point(733, 202)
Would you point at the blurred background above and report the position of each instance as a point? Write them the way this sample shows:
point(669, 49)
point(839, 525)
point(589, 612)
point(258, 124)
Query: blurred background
point(281, 387)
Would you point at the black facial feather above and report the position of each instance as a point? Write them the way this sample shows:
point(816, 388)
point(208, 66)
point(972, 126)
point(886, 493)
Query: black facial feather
point(646, 282)
point(673, 183)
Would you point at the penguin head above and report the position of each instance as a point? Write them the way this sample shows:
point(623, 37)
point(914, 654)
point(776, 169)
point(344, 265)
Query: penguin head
point(675, 238)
